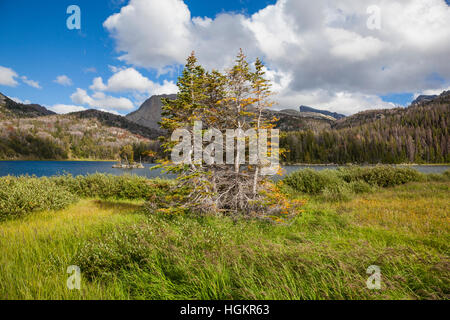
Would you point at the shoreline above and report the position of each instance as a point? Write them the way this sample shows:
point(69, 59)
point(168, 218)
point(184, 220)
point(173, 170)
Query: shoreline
point(282, 164)
point(364, 165)
point(71, 160)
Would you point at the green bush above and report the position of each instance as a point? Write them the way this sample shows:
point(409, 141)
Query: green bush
point(120, 249)
point(447, 174)
point(337, 192)
point(22, 195)
point(381, 176)
point(113, 187)
point(337, 185)
point(359, 187)
point(311, 181)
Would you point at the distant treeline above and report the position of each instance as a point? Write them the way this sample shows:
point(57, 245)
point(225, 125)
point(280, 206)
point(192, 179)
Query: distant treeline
point(69, 138)
point(32, 147)
point(419, 134)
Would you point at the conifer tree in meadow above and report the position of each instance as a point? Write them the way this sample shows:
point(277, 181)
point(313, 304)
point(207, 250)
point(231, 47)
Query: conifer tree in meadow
point(229, 150)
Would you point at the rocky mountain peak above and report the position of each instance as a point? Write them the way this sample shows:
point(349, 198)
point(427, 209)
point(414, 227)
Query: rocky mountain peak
point(149, 114)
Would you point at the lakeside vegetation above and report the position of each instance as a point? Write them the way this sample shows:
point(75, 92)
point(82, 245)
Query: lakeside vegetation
point(394, 218)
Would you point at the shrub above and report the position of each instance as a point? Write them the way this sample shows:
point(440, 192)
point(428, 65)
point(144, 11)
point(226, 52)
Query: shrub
point(381, 176)
point(447, 174)
point(337, 185)
point(337, 192)
point(116, 187)
point(120, 249)
point(359, 187)
point(310, 181)
point(22, 195)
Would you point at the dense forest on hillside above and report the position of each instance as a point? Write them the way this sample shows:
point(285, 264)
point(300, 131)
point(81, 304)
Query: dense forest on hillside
point(67, 137)
point(418, 134)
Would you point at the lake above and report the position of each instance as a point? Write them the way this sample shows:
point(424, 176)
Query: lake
point(51, 168)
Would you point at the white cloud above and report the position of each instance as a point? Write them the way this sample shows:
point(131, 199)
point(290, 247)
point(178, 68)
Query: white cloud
point(110, 111)
point(100, 100)
point(115, 69)
point(64, 108)
point(18, 100)
point(168, 23)
point(63, 80)
point(130, 80)
point(30, 82)
point(7, 77)
point(323, 47)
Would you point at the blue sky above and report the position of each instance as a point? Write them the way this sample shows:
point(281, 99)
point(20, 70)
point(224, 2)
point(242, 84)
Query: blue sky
point(36, 44)
point(40, 46)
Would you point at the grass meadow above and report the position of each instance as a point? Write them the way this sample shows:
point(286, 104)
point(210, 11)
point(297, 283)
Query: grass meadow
point(126, 252)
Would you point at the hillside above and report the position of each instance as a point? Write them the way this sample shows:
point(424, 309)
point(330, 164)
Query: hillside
point(292, 120)
point(112, 120)
point(370, 116)
point(33, 132)
point(60, 137)
point(364, 117)
point(335, 115)
point(417, 134)
point(149, 114)
point(12, 109)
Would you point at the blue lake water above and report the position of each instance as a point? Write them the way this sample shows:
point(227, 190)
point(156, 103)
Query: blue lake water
point(52, 168)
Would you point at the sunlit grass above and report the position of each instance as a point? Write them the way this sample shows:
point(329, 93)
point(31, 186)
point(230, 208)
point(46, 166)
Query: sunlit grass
point(36, 250)
point(323, 254)
point(413, 209)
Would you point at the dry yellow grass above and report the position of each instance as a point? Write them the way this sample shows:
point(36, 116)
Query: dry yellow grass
point(411, 209)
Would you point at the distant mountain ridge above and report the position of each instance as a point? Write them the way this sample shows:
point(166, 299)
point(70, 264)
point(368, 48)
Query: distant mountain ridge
point(335, 115)
point(19, 110)
point(112, 120)
point(149, 115)
point(370, 116)
point(417, 134)
point(423, 99)
point(31, 132)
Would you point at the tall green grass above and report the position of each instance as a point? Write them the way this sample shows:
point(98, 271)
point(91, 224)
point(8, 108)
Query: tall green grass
point(322, 255)
point(125, 252)
point(343, 183)
point(23, 195)
point(113, 187)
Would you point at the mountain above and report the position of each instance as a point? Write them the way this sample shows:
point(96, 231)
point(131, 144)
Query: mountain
point(370, 116)
point(33, 132)
point(71, 136)
point(364, 117)
point(112, 120)
point(417, 134)
point(337, 116)
point(13, 109)
point(149, 114)
point(424, 99)
point(293, 120)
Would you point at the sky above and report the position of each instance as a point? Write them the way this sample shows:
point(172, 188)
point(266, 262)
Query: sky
point(340, 55)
